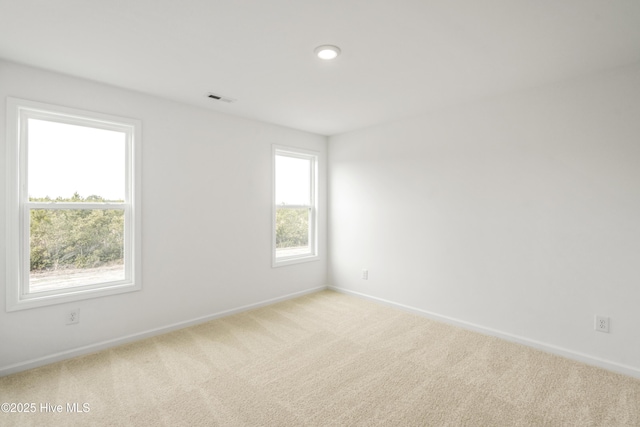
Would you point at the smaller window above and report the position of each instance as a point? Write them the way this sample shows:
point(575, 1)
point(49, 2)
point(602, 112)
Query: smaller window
point(294, 208)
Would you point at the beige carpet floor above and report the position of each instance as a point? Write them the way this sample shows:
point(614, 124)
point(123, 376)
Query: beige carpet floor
point(324, 359)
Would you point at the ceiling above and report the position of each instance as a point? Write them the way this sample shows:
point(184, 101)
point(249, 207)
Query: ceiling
point(399, 57)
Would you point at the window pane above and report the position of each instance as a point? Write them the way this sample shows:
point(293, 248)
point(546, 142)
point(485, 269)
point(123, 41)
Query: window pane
point(67, 160)
point(75, 247)
point(292, 232)
point(293, 181)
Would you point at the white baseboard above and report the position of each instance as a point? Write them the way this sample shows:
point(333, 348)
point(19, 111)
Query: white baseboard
point(80, 351)
point(569, 354)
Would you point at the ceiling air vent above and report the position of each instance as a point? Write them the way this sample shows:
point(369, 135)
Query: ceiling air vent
point(221, 98)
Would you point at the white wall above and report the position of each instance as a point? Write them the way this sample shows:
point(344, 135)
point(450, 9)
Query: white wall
point(518, 216)
point(206, 194)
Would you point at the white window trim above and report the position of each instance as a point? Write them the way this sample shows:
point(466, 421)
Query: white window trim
point(314, 156)
point(17, 222)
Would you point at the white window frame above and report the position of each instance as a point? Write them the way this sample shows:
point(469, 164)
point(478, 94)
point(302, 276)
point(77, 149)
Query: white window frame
point(313, 157)
point(18, 204)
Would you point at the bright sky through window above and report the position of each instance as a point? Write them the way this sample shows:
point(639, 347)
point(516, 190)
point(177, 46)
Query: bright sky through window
point(293, 181)
point(65, 159)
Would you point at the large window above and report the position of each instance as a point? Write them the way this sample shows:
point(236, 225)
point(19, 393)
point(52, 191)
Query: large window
point(294, 208)
point(73, 212)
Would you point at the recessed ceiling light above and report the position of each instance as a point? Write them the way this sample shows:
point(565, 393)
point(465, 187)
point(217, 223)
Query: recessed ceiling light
point(327, 51)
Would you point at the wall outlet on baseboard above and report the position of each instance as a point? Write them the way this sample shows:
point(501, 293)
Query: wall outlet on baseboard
point(602, 324)
point(365, 274)
point(73, 316)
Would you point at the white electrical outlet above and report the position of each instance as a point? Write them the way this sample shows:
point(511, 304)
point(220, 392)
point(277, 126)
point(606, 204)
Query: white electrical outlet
point(73, 316)
point(602, 324)
point(365, 274)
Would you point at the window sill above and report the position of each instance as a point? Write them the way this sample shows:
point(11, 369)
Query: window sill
point(297, 260)
point(14, 303)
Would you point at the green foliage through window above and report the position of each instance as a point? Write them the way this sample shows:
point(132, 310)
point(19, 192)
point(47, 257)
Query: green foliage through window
point(292, 228)
point(75, 238)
